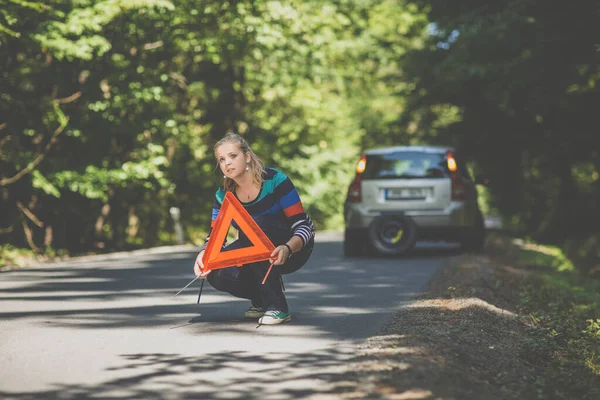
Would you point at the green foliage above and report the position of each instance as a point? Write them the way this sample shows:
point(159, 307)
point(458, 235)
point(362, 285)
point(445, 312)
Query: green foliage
point(543, 255)
point(110, 109)
point(11, 256)
point(39, 182)
point(113, 108)
point(593, 329)
point(564, 306)
point(75, 35)
point(523, 77)
point(592, 345)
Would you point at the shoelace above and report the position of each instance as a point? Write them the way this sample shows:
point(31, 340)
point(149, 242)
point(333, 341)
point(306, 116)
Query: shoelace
point(272, 314)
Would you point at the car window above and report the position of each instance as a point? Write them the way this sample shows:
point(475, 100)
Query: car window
point(406, 164)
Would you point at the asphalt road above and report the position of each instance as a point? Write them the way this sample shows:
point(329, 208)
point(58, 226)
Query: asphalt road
point(109, 327)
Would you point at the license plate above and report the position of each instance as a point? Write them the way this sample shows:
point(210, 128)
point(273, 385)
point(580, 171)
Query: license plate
point(406, 194)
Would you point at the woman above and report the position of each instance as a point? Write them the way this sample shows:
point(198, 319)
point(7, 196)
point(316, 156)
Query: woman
point(273, 202)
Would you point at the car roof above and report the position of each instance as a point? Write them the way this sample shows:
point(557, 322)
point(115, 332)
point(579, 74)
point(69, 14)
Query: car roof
point(395, 149)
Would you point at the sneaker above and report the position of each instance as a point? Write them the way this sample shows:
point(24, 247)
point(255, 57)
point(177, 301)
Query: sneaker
point(274, 317)
point(254, 312)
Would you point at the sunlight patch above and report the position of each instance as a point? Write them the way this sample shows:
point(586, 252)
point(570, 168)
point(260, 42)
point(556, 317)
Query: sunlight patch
point(343, 310)
point(459, 304)
point(391, 351)
point(378, 365)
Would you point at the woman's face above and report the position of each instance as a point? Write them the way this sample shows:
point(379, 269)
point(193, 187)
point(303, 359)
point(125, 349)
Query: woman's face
point(232, 160)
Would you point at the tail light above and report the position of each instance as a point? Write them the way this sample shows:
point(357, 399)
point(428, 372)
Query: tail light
point(459, 191)
point(354, 191)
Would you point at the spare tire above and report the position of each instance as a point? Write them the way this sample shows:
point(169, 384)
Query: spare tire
point(393, 234)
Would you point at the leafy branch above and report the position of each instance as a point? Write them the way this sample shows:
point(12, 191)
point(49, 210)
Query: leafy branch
point(63, 120)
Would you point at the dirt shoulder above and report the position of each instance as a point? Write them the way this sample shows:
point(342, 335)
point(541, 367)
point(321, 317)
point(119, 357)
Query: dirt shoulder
point(464, 338)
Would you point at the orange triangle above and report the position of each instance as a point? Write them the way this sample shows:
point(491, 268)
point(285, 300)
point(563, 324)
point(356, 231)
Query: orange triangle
point(261, 249)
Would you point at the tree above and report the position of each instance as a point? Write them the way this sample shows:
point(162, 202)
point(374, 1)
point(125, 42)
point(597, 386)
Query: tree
point(523, 77)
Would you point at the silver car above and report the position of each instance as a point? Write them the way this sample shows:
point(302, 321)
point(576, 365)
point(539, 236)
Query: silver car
point(403, 194)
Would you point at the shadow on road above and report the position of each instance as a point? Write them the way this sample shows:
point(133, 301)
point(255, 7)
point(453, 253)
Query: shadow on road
point(403, 361)
point(138, 292)
point(160, 376)
point(332, 299)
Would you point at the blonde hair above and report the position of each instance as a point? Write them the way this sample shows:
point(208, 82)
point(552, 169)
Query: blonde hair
point(255, 167)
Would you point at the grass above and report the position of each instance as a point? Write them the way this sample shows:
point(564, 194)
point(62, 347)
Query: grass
point(563, 305)
point(14, 257)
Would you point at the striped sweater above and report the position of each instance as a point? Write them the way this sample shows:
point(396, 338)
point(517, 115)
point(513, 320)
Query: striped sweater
point(277, 210)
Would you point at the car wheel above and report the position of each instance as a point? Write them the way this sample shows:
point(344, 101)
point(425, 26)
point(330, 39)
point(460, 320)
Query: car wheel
point(393, 235)
point(353, 243)
point(474, 239)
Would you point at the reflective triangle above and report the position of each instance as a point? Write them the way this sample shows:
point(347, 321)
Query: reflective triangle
point(260, 250)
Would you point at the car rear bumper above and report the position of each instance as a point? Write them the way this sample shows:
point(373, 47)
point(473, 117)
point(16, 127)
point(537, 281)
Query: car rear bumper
point(356, 216)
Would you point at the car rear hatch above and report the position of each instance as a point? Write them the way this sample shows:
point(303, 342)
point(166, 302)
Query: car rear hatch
point(406, 180)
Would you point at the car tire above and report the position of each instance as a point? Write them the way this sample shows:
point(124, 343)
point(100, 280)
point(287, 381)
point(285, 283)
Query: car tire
point(474, 239)
point(392, 235)
point(354, 241)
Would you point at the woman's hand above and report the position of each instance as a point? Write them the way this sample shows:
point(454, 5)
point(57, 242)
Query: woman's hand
point(199, 266)
point(280, 255)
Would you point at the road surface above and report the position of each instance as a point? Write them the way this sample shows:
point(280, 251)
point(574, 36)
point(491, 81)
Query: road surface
point(109, 326)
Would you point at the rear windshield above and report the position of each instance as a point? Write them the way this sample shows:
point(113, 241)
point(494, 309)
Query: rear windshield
point(406, 165)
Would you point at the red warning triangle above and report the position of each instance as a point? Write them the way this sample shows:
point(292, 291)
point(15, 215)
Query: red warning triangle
point(261, 248)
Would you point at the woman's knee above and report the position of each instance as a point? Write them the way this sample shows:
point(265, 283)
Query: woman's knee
point(298, 260)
